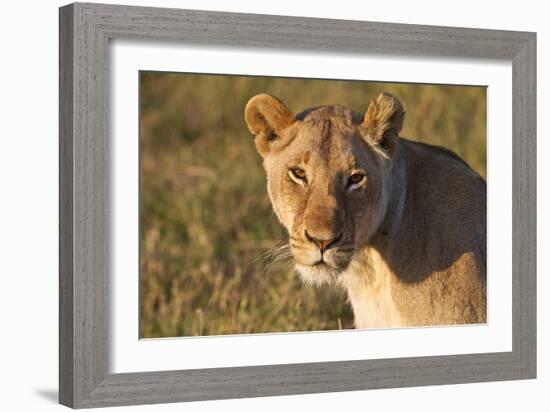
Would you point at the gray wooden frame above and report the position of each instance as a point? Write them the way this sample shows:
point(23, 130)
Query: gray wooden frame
point(85, 31)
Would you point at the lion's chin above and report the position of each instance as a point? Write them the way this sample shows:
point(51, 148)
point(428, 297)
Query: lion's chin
point(317, 275)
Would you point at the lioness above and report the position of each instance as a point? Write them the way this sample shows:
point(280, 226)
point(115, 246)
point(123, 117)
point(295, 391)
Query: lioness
point(400, 224)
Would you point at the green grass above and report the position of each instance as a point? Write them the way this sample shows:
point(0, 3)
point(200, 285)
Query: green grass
point(206, 221)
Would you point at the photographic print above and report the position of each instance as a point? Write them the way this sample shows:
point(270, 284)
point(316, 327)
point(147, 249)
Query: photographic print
point(285, 205)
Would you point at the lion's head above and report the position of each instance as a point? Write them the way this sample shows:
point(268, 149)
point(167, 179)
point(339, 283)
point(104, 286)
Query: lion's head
point(328, 174)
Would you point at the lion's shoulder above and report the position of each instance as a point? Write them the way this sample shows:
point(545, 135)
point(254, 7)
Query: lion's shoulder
point(431, 165)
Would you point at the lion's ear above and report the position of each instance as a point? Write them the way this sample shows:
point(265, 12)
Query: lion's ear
point(383, 121)
point(266, 117)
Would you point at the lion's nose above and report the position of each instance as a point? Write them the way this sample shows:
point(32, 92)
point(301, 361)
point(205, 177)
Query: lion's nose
point(323, 244)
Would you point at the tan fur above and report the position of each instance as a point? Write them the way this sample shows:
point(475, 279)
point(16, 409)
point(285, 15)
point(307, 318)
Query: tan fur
point(408, 242)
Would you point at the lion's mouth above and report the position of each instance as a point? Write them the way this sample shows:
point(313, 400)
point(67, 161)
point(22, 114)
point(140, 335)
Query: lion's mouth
point(335, 260)
point(324, 265)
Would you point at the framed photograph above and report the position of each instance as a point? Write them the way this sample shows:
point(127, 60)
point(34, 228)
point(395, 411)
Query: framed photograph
point(256, 205)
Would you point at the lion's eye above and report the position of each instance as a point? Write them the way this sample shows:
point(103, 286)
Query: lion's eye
point(356, 179)
point(298, 175)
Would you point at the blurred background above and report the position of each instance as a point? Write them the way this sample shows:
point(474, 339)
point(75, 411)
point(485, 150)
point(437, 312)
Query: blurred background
point(206, 225)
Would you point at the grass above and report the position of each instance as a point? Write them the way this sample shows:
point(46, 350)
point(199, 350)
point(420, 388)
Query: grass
point(205, 218)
